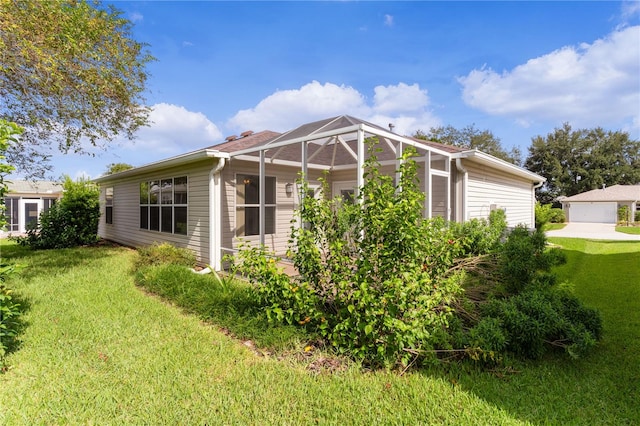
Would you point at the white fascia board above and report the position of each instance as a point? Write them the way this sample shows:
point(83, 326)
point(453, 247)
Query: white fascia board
point(405, 140)
point(179, 160)
point(484, 158)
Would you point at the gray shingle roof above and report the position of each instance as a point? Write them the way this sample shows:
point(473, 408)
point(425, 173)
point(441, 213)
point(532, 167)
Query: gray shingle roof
point(33, 187)
point(612, 193)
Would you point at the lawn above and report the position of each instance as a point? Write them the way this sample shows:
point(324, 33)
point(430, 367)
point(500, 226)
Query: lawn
point(633, 230)
point(99, 350)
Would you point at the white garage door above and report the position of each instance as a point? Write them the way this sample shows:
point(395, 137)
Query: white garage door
point(593, 212)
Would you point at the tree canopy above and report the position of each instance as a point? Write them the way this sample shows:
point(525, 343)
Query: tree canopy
point(117, 168)
point(574, 161)
point(472, 138)
point(71, 75)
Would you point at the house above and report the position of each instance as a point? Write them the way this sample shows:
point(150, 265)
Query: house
point(601, 205)
point(25, 200)
point(245, 188)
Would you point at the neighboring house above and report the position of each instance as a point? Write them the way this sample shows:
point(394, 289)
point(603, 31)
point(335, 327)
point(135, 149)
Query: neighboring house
point(24, 202)
point(601, 205)
point(244, 189)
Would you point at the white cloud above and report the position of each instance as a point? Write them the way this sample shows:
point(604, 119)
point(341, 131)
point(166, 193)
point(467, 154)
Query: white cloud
point(388, 20)
point(590, 85)
point(630, 9)
point(175, 130)
point(136, 17)
point(406, 106)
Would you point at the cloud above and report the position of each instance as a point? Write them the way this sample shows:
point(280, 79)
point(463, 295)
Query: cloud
point(136, 17)
point(630, 9)
point(406, 106)
point(175, 130)
point(589, 85)
point(388, 20)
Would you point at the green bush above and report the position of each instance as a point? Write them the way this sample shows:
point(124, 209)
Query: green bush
point(637, 216)
point(71, 222)
point(375, 277)
point(9, 314)
point(539, 318)
point(164, 254)
point(557, 216)
point(548, 214)
point(624, 214)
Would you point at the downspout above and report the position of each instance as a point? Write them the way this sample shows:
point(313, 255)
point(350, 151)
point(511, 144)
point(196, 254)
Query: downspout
point(215, 236)
point(533, 202)
point(465, 183)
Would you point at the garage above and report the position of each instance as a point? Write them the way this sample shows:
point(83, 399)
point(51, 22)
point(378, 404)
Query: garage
point(604, 212)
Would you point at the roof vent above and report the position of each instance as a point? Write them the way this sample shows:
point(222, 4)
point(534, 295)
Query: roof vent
point(247, 133)
point(231, 138)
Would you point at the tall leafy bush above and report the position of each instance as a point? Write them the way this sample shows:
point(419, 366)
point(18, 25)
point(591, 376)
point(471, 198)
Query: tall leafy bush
point(71, 222)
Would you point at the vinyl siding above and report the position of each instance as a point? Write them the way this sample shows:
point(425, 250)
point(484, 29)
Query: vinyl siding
point(126, 211)
point(487, 187)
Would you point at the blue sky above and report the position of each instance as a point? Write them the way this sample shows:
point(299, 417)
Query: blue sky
point(518, 69)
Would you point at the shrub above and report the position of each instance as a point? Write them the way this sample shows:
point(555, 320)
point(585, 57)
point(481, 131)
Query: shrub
point(637, 216)
point(71, 222)
point(624, 214)
point(374, 276)
point(540, 318)
point(557, 216)
point(9, 314)
point(164, 254)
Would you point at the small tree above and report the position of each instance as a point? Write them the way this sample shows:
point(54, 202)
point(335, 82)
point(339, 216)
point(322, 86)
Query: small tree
point(71, 222)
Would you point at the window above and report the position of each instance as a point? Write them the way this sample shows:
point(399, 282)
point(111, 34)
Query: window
point(248, 205)
point(108, 210)
point(163, 205)
point(11, 212)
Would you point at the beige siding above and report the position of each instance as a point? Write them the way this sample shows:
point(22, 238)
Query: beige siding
point(126, 211)
point(285, 204)
point(489, 188)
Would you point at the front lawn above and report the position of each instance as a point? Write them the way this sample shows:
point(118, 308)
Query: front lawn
point(99, 350)
point(633, 230)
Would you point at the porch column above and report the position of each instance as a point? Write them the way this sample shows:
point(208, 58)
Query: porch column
point(360, 161)
point(427, 185)
point(261, 209)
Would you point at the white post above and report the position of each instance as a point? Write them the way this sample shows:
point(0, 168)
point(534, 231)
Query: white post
point(360, 162)
point(261, 209)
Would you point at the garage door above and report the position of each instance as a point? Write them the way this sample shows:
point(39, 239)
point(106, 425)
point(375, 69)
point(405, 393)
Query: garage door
point(593, 212)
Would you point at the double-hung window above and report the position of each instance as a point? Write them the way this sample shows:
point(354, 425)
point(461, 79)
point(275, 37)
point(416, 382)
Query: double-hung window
point(248, 205)
point(163, 205)
point(108, 210)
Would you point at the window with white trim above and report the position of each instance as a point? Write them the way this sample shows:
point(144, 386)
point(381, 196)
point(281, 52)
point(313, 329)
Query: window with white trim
point(248, 205)
point(163, 205)
point(108, 210)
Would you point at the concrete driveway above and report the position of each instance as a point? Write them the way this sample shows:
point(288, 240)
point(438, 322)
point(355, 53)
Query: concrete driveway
point(593, 231)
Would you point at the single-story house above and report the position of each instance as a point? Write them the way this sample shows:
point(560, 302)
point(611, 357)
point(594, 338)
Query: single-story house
point(25, 200)
point(601, 205)
point(245, 188)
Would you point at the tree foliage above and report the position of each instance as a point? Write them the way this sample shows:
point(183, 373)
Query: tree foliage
point(574, 161)
point(470, 137)
point(117, 168)
point(70, 73)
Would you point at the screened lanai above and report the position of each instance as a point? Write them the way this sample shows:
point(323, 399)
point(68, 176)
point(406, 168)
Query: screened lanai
point(337, 146)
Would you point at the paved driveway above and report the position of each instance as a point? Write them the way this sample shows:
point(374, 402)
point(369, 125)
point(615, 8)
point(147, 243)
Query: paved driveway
point(593, 231)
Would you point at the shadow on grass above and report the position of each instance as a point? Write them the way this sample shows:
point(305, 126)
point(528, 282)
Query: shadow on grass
point(39, 262)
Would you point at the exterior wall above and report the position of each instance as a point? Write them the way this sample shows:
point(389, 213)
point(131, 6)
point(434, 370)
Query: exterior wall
point(16, 224)
point(285, 204)
point(490, 188)
point(126, 211)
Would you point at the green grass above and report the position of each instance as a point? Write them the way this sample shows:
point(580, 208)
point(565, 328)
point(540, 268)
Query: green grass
point(99, 350)
point(553, 226)
point(633, 230)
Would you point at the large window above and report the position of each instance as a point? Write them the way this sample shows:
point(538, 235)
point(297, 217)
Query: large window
point(108, 210)
point(163, 205)
point(248, 205)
